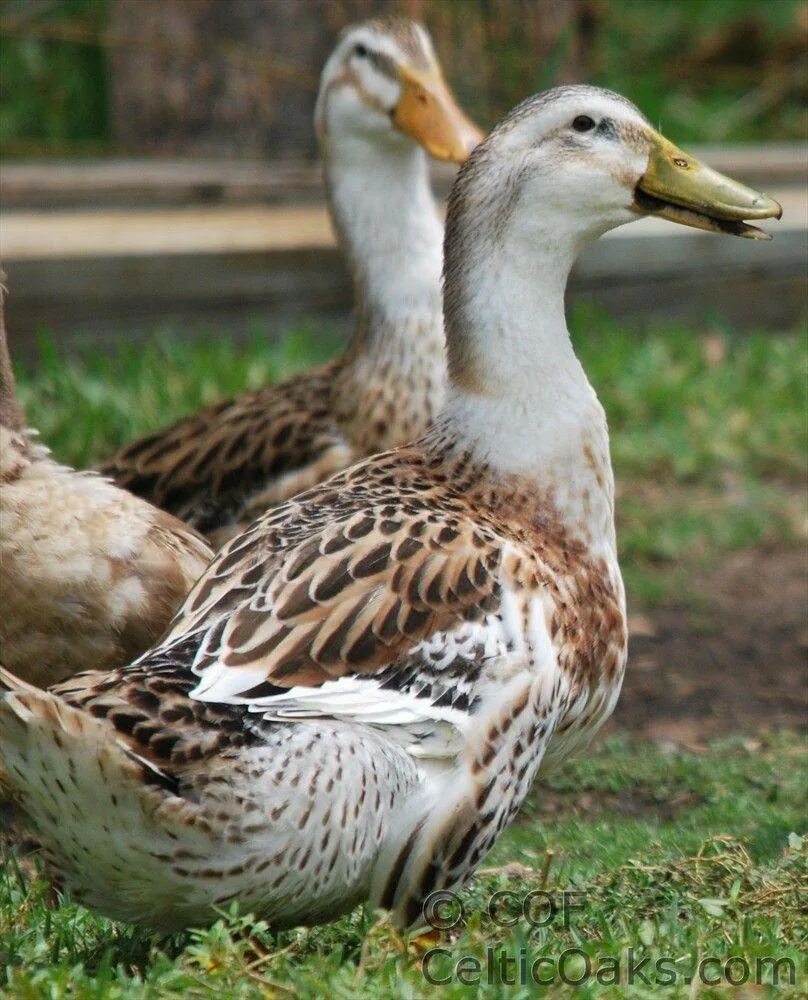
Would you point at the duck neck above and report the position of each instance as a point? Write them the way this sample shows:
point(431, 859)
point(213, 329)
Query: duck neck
point(519, 401)
point(387, 222)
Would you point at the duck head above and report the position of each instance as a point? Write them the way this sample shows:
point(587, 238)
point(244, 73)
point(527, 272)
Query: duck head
point(576, 161)
point(560, 170)
point(383, 84)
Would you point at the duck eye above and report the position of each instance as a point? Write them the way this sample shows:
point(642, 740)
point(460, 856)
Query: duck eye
point(360, 50)
point(583, 123)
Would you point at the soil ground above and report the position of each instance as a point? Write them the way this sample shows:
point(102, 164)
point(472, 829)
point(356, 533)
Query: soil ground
point(734, 665)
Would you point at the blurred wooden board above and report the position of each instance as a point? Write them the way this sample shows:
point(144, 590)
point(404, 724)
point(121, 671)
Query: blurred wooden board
point(28, 235)
point(133, 183)
point(137, 182)
point(68, 183)
point(111, 272)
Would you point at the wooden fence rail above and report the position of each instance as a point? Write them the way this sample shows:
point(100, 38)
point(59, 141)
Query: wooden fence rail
point(213, 247)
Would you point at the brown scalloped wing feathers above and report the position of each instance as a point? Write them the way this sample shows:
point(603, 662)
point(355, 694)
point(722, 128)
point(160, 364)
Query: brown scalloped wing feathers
point(206, 467)
point(350, 599)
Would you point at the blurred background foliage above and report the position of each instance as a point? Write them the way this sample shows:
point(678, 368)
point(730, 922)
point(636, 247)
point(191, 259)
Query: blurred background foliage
point(53, 93)
point(204, 77)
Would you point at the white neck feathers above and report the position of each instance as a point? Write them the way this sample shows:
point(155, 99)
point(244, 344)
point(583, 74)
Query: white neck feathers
point(519, 399)
point(390, 230)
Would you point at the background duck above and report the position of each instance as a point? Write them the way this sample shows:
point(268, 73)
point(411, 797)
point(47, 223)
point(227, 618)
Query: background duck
point(382, 102)
point(91, 575)
point(357, 695)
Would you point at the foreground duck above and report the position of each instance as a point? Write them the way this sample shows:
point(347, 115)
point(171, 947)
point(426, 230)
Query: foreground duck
point(357, 695)
point(382, 102)
point(90, 576)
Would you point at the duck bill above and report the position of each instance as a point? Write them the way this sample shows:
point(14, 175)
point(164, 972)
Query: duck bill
point(428, 113)
point(676, 186)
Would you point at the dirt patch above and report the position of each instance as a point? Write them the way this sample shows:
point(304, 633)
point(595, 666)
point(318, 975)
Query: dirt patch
point(737, 664)
point(635, 803)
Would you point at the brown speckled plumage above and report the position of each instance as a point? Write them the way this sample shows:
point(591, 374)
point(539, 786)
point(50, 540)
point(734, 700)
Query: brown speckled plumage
point(425, 533)
point(415, 578)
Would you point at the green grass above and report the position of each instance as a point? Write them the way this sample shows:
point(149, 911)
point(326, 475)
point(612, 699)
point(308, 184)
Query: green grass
point(677, 855)
point(708, 426)
point(86, 406)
